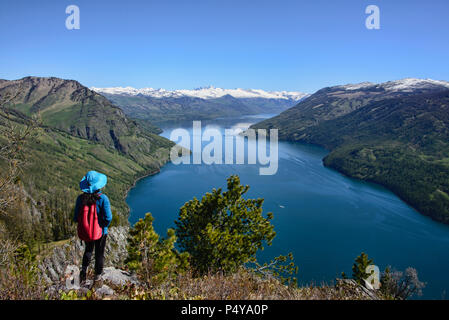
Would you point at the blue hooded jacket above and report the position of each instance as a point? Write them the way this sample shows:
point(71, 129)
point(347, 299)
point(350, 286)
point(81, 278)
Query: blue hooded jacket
point(103, 211)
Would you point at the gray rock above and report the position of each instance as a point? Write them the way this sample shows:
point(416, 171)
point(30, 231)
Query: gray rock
point(104, 291)
point(58, 260)
point(53, 274)
point(46, 278)
point(118, 277)
point(72, 277)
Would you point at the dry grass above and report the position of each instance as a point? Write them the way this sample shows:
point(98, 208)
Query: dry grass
point(243, 285)
point(18, 278)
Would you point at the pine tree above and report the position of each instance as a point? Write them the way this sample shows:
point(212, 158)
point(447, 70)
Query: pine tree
point(359, 268)
point(223, 231)
point(155, 259)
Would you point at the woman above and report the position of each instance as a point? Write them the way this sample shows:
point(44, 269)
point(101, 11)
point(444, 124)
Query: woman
point(91, 185)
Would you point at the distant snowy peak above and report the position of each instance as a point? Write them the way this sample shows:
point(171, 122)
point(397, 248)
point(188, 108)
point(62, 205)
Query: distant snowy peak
point(411, 84)
point(404, 85)
point(204, 93)
point(211, 92)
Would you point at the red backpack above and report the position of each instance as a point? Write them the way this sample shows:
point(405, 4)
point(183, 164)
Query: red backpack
point(88, 227)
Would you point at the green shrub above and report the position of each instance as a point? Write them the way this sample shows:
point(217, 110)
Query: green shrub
point(154, 259)
point(359, 273)
point(223, 231)
point(19, 275)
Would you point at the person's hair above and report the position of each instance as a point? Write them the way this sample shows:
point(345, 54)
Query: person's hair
point(88, 199)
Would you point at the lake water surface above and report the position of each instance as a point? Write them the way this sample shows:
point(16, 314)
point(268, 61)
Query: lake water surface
point(322, 217)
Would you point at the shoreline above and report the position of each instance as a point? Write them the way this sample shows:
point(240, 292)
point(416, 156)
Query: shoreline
point(143, 176)
point(386, 187)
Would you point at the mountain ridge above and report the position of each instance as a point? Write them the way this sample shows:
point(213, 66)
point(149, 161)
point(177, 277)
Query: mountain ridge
point(398, 85)
point(161, 106)
point(397, 138)
point(332, 102)
point(203, 92)
point(69, 106)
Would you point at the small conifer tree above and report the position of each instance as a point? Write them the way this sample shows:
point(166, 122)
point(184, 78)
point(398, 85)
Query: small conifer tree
point(359, 273)
point(154, 259)
point(223, 231)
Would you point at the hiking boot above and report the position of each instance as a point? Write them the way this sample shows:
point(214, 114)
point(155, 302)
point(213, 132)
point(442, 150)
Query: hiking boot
point(98, 278)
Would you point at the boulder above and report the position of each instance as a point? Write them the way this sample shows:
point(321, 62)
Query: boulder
point(118, 277)
point(104, 291)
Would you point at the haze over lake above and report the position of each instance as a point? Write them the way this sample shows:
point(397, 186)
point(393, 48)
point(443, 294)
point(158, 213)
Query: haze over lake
point(322, 217)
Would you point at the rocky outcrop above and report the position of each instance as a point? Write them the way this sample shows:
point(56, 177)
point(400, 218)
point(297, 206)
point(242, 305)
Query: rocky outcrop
point(103, 288)
point(118, 277)
point(53, 267)
point(356, 291)
point(61, 269)
point(104, 291)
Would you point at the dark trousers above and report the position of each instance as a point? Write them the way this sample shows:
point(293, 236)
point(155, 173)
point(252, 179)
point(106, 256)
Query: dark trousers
point(99, 246)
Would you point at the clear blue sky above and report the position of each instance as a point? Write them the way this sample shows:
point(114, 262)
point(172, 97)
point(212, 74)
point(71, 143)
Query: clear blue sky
point(272, 45)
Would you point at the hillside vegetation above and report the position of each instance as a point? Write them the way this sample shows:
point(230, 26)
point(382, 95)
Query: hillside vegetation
point(69, 106)
point(96, 136)
point(397, 139)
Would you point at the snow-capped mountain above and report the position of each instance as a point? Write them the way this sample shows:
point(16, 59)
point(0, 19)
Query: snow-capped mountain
point(160, 105)
point(404, 85)
point(359, 104)
point(203, 93)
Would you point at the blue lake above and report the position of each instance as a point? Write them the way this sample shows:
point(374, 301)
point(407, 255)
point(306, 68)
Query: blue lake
point(324, 218)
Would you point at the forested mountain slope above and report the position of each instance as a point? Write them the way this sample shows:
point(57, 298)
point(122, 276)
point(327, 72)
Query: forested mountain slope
point(69, 106)
point(400, 141)
point(333, 102)
point(78, 130)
